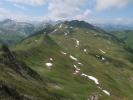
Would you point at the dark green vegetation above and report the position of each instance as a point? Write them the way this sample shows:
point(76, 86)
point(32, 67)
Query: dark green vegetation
point(126, 36)
point(24, 69)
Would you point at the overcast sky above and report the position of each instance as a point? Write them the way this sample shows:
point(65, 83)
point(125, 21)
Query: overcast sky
point(100, 11)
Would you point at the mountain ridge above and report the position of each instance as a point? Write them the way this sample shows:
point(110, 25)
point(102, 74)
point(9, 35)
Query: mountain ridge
point(77, 57)
point(75, 63)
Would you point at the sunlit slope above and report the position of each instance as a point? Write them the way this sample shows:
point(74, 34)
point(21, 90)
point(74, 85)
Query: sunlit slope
point(80, 62)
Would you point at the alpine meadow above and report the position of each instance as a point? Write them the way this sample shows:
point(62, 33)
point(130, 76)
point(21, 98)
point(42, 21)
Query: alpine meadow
point(66, 50)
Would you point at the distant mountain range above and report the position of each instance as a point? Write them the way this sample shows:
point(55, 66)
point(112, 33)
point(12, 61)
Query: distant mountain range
point(21, 27)
point(124, 32)
point(115, 27)
point(12, 31)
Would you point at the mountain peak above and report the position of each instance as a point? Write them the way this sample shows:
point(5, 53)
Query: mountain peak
point(77, 23)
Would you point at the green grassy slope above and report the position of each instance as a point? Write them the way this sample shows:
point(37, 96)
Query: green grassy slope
point(126, 36)
point(96, 54)
point(20, 82)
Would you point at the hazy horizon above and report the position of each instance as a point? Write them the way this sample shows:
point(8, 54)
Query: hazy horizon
point(94, 11)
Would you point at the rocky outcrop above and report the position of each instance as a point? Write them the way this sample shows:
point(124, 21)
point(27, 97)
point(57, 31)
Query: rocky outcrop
point(7, 92)
point(20, 67)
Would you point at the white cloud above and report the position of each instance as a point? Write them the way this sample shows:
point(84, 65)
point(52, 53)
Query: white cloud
point(3, 13)
point(58, 9)
point(29, 2)
point(106, 4)
point(20, 6)
point(65, 9)
point(84, 16)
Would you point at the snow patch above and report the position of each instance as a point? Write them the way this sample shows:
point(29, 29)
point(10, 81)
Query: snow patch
point(76, 67)
point(49, 64)
point(91, 78)
point(77, 70)
point(63, 53)
point(85, 50)
point(66, 34)
point(77, 42)
point(103, 58)
point(51, 59)
point(54, 30)
point(73, 58)
point(60, 26)
point(80, 63)
point(106, 92)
